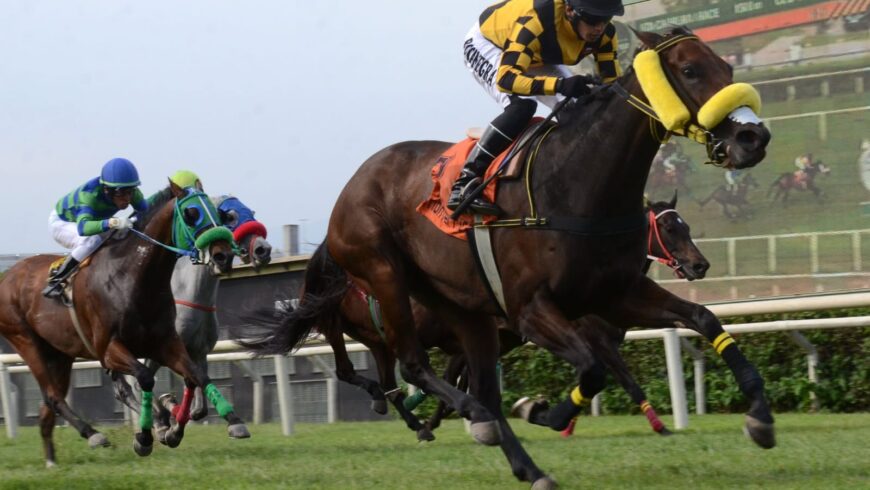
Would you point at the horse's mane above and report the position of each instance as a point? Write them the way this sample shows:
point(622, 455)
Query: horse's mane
point(584, 111)
point(155, 203)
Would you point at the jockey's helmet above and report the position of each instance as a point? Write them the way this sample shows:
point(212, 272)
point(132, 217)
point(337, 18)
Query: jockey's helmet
point(604, 9)
point(186, 179)
point(119, 172)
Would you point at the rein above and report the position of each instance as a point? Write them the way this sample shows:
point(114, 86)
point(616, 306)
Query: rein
point(196, 306)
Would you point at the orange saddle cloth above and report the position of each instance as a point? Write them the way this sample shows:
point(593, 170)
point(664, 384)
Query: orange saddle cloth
point(444, 174)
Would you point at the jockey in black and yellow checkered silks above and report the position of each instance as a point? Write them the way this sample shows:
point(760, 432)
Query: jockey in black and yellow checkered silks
point(518, 52)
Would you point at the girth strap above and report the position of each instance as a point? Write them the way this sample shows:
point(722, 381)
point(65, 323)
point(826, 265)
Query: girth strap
point(75, 321)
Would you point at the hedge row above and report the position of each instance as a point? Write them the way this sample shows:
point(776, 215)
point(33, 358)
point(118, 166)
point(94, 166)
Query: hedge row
point(843, 371)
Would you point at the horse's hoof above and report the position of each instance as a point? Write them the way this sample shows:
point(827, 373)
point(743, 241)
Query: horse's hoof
point(238, 431)
point(174, 436)
point(544, 483)
point(486, 433)
point(760, 432)
point(522, 408)
point(49, 464)
point(425, 435)
point(98, 440)
point(379, 406)
point(199, 414)
point(168, 401)
point(665, 432)
point(143, 443)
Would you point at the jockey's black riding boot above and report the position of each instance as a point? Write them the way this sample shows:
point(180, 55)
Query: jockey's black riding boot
point(498, 136)
point(54, 287)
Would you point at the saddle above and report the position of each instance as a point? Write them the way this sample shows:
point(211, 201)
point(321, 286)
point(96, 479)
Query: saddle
point(66, 295)
point(448, 166)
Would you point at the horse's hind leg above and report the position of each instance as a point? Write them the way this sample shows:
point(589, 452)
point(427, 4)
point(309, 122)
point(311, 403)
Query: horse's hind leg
point(480, 342)
point(345, 371)
point(455, 374)
point(389, 287)
point(386, 365)
point(652, 306)
point(52, 371)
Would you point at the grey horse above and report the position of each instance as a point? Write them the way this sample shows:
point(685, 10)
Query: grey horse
point(195, 289)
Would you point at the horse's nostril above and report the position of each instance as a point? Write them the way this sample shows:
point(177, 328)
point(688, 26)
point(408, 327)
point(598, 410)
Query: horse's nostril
point(259, 251)
point(701, 267)
point(220, 258)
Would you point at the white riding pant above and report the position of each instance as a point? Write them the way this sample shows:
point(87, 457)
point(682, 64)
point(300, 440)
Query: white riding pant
point(482, 58)
point(67, 234)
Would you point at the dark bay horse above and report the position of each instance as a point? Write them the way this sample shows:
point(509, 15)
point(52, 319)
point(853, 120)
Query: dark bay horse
point(195, 288)
point(123, 310)
point(668, 242)
point(799, 180)
point(577, 249)
point(735, 205)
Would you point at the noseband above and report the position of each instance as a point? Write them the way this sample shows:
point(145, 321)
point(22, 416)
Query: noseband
point(669, 109)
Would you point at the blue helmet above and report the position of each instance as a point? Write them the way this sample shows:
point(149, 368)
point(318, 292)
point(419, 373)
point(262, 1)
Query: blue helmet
point(119, 172)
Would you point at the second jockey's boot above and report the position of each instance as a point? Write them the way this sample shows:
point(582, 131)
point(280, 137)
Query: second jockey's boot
point(490, 144)
point(55, 282)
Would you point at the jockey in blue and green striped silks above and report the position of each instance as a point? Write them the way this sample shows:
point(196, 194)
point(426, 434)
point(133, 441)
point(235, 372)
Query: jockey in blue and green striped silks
point(81, 219)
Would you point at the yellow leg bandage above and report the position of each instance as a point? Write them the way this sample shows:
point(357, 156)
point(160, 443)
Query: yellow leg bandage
point(722, 341)
point(645, 406)
point(577, 397)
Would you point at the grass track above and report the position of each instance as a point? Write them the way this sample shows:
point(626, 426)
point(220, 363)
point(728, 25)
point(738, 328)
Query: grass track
point(815, 451)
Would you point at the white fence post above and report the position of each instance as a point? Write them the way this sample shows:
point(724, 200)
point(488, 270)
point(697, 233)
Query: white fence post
point(285, 394)
point(257, 384)
point(732, 257)
point(812, 362)
point(699, 367)
point(856, 251)
point(676, 381)
point(596, 405)
point(814, 253)
point(771, 254)
point(9, 412)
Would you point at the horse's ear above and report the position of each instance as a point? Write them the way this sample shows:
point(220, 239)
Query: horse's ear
point(673, 203)
point(649, 39)
point(175, 189)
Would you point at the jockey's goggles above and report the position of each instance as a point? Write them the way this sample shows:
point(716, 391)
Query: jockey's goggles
point(593, 20)
point(123, 191)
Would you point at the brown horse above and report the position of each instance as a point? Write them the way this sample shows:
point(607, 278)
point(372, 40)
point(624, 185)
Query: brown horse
point(123, 310)
point(578, 248)
point(735, 205)
point(668, 242)
point(799, 180)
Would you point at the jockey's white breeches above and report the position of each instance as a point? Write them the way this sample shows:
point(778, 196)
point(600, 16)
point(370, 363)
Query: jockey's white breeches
point(482, 58)
point(67, 234)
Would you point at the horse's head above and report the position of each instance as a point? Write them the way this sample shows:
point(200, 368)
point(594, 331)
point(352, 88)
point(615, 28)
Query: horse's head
point(670, 242)
point(692, 91)
point(249, 233)
point(197, 228)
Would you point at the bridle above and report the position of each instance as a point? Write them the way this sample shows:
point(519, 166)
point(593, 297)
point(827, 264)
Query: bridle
point(655, 237)
point(668, 108)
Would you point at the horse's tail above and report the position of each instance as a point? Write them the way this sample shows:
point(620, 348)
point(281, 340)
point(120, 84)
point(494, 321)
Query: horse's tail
point(325, 286)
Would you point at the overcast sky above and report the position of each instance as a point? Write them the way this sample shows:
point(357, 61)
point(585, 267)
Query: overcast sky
point(277, 102)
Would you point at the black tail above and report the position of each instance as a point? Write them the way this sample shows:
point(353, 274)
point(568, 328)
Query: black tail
point(325, 286)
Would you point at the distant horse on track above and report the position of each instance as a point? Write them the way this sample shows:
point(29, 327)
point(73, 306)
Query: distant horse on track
point(195, 288)
point(735, 205)
point(799, 180)
point(576, 248)
point(122, 310)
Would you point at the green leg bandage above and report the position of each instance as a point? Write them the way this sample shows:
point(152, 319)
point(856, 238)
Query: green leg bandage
point(414, 400)
point(146, 417)
point(220, 403)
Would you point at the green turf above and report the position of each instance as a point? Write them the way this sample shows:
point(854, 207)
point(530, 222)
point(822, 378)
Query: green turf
point(815, 451)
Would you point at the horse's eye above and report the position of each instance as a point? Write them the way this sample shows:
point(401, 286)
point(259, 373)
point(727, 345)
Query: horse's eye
point(191, 216)
point(231, 218)
point(688, 71)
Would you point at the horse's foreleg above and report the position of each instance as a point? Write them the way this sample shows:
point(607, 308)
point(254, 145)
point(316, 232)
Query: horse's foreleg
point(544, 324)
point(455, 374)
point(175, 357)
point(118, 358)
point(650, 305)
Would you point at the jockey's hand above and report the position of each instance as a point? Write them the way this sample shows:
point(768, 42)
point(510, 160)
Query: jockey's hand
point(122, 223)
point(576, 86)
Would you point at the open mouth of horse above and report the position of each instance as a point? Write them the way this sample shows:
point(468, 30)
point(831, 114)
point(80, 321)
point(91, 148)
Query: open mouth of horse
point(691, 270)
point(743, 139)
